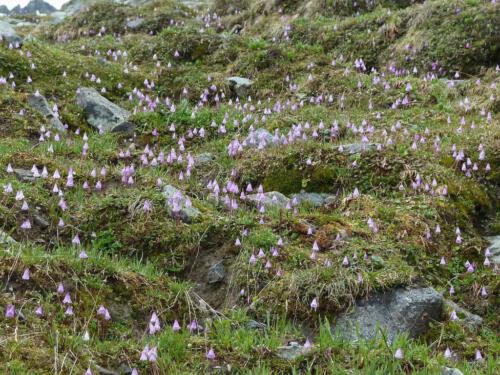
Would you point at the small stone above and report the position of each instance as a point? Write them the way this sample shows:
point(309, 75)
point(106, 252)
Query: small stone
point(135, 23)
point(240, 86)
point(40, 220)
point(450, 371)
point(175, 197)
point(252, 324)
point(292, 351)
point(216, 273)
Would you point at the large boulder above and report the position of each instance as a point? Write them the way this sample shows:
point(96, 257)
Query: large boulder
point(8, 34)
point(179, 206)
point(40, 104)
point(269, 199)
point(240, 86)
point(101, 113)
point(395, 312)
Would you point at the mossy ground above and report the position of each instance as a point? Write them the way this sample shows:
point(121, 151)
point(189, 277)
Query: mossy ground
point(144, 262)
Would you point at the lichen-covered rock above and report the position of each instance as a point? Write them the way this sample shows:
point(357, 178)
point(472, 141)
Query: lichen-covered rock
point(180, 206)
point(396, 312)
point(102, 113)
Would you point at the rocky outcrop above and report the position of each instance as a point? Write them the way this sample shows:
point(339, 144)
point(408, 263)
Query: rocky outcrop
point(396, 312)
point(101, 113)
point(494, 249)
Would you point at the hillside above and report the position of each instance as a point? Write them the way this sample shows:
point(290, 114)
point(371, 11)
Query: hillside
point(254, 187)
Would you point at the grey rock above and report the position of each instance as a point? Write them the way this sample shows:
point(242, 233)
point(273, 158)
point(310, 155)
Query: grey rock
point(270, 199)
point(5, 239)
point(101, 113)
point(355, 148)
point(395, 312)
point(495, 248)
point(176, 205)
point(8, 34)
point(252, 324)
point(259, 138)
point(135, 23)
point(24, 175)
point(450, 371)
point(292, 351)
point(40, 104)
point(313, 199)
point(240, 86)
point(216, 273)
point(472, 321)
point(204, 158)
point(4, 9)
point(40, 220)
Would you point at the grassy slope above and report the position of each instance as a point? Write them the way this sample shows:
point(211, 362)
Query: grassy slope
point(146, 258)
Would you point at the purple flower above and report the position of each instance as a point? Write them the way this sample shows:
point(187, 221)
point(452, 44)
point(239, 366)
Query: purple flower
point(10, 311)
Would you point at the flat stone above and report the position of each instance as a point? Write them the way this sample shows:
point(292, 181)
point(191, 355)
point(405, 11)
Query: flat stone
point(102, 113)
point(216, 273)
point(292, 351)
point(395, 312)
point(40, 104)
point(24, 175)
point(177, 199)
point(269, 199)
point(240, 86)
